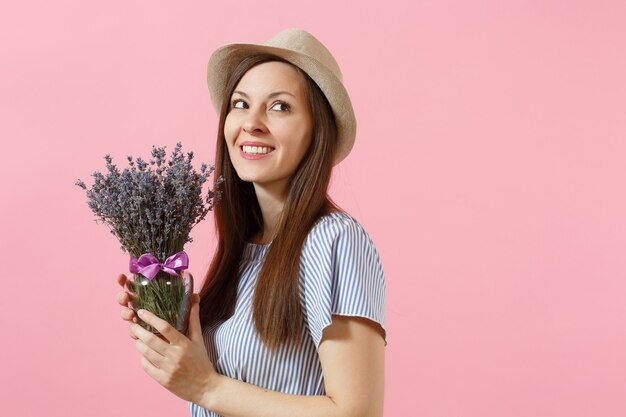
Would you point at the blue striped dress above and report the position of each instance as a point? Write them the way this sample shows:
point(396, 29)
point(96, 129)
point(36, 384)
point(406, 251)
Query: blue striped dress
point(340, 273)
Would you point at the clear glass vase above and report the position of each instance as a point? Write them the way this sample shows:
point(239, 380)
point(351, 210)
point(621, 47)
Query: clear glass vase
point(166, 296)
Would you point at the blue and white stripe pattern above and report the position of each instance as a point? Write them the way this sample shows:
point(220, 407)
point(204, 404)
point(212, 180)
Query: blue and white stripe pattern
point(340, 273)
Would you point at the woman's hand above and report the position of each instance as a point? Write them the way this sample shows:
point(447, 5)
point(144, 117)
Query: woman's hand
point(126, 299)
point(178, 363)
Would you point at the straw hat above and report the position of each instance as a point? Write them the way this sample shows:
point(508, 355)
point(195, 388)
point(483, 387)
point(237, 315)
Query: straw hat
point(304, 51)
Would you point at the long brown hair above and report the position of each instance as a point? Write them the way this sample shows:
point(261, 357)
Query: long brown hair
point(276, 306)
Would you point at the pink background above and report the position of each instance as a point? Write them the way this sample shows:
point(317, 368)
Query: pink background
point(489, 169)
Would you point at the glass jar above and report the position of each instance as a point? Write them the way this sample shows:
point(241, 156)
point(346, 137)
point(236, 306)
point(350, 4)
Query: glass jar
point(166, 296)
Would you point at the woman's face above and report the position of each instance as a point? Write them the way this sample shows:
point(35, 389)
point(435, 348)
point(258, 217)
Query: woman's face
point(269, 127)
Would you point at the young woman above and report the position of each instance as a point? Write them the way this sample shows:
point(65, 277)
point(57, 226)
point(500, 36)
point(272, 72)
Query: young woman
point(290, 319)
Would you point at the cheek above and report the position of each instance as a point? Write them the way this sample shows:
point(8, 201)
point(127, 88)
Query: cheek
point(305, 144)
point(298, 135)
point(297, 150)
point(305, 141)
point(230, 130)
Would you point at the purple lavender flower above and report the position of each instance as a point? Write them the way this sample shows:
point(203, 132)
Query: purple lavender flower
point(152, 206)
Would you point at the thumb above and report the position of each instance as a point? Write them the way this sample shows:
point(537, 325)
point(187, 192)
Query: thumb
point(195, 328)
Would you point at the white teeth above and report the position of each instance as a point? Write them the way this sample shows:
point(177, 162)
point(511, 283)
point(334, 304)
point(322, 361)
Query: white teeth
point(256, 149)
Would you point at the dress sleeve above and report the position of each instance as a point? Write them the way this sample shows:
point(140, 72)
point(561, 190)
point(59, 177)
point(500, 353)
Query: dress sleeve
point(341, 275)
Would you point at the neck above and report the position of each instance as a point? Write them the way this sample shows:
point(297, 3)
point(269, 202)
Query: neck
point(272, 200)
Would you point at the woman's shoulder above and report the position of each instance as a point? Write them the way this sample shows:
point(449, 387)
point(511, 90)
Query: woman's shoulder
point(341, 274)
point(334, 226)
point(335, 221)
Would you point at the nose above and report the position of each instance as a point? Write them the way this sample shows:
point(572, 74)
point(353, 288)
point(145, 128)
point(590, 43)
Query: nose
point(254, 122)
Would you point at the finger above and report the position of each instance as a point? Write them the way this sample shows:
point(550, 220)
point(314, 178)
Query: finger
point(153, 341)
point(167, 330)
point(121, 279)
point(156, 341)
point(126, 283)
point(155, 358)
point(195, 328)
point(129, 315)
point(130, 287)
point(152, 370)
point(124, 298)
point(131, 334)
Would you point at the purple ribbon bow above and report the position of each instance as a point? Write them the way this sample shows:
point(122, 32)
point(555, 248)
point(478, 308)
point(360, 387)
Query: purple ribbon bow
point(148, 265)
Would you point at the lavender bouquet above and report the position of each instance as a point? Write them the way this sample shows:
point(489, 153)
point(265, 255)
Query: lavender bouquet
point(151, 208)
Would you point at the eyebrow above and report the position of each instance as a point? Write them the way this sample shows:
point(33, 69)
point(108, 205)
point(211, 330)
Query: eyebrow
point(272, 95)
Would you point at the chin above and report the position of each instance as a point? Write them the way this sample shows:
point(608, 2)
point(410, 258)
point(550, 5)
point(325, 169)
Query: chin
point(248, 177)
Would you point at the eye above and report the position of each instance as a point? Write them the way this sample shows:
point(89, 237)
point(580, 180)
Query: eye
point(280, 106)
point(238, 103)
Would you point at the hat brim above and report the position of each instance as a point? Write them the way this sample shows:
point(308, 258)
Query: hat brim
point(224, 60)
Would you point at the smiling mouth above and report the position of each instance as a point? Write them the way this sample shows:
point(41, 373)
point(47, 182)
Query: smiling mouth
point(256, 150)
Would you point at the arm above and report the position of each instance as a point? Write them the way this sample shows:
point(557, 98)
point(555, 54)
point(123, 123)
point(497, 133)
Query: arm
point(352, 357)
point(351, 354)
